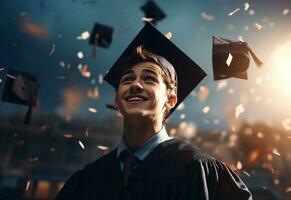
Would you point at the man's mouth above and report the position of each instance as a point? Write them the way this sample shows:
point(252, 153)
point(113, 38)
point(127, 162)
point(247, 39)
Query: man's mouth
point(135, 98)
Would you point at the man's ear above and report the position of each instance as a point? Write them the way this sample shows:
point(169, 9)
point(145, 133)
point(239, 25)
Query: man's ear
point(172, 100)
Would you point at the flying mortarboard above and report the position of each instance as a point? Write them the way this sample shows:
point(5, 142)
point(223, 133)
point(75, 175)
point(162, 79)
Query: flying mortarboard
point(21, 88)
point(188, 73)
point(231, 58)
point(101, 36)
point(153, 12)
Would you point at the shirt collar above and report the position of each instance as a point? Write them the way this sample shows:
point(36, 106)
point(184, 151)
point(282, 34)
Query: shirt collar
point(148, 146)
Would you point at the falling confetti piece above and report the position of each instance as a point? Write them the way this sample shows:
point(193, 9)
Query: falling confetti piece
point(84, 36)
point(260, 135)
point(221, 85)
point(100, 79)
point(87, 132)
point(1, 69)
point(206, 109)
point(286, 123)
point(285, 11)
point(0, 80)
point(239, 165)
point(27, 185)
point(239, 110)
point(182, 116)
point(229, 59)
point(240, 38)
point(288, 189)
point(81, 145)
point(169, 35)
point(147, 19)
point(62, 64)
point(34, 159)
point(93, 110)
point(246, 6)
point(53, 49)
point(246, 173)
point(251, 12)
point(233, 12)
point(181, 106)
point(258, 26)
point(203, 93)
point(276, 152)
point(259, 80)
point(94, 93)
point(68, 135)
point(207, 17)
point(80, 55)
point(103, 148)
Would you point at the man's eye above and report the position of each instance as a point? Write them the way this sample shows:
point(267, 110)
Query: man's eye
point(149, 78)
point(127, 79)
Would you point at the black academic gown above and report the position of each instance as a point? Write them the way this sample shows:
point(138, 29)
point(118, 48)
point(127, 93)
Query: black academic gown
point(174, 170)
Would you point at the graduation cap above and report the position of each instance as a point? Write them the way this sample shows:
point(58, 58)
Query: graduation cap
point(101, 36)
point(231, 58)
point(153, 12)
point(189, 74)
point(21, 88)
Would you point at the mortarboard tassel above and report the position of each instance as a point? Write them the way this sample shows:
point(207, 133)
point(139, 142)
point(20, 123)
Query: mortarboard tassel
point(258, 62)
point(95, 45)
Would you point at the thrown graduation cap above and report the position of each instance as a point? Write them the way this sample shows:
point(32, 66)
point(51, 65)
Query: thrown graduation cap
point(21, 88)
point(189, 74)
point(152, 12)
point(101, 36)
point(231, 58)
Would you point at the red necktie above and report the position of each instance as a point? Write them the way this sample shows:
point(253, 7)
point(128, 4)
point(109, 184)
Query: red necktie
point(130, 162)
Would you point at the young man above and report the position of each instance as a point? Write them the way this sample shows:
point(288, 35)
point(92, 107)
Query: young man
point(148, 164)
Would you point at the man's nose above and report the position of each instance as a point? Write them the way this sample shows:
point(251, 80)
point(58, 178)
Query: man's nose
point(136, 86)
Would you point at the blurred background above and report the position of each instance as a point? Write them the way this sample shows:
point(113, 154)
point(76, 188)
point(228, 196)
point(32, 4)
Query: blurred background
point(245, 123)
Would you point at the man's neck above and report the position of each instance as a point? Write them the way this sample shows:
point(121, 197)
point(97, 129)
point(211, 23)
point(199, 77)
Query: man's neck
point(137, 132)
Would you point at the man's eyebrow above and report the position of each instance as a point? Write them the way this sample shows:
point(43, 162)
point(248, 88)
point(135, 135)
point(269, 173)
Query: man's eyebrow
point(129, 71)
point(150, 71)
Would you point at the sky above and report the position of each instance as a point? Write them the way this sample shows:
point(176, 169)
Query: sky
point(50, 51)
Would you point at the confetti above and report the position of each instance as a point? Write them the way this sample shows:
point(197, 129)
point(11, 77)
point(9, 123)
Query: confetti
point(233, 12)
point(1, 69)
point(27, 185)
point(276, 152)
point(221, 85)
point(34, 159)
point(207, 17)
point(169, 35)
point(229, 59)
point(246, 173)
point(288, 189)
point(206, 109)
point(80, 55)
point(239, 110)
point(252, 12)
point(187, 130)
point(103, 148)
point(182, 116)
point(260, 135)
point(94, 93)
point(62, 64)
point(84, 36)
point(258, 26)
point(285, 11)
point(239, 165)
point(68, 135)
point(286, 123)
point(0, 80)
point(87, 132)
point(246, 6)
point(53, 49)
point(240, 38)
point(93, 110)
point(100, 79)
point(147, 19)
point(81, 144)
point(203, 93)
point(181, 106)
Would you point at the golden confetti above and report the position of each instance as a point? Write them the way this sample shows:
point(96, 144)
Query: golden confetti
point(239, 110)
point(100, 79)
point(229, 59)
point(81, 144)
point(260, 135)
point(169, 35)
point(258, 26)
point(203, 93)
point(246, 173)
point(286, 123)
point(103, 148)
point(276, 152)
point(68, 135)
point(246, 6)
point(285, 11)
point(84, 36)
point(87, 132)
point(94, 93)
point(239, 165)
point(207, 17)
point(288, 189)
point(93, 110)
point(233, 12)
point(206, 109)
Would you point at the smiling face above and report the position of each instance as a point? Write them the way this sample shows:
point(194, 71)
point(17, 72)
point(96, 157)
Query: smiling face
point(142, 92)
